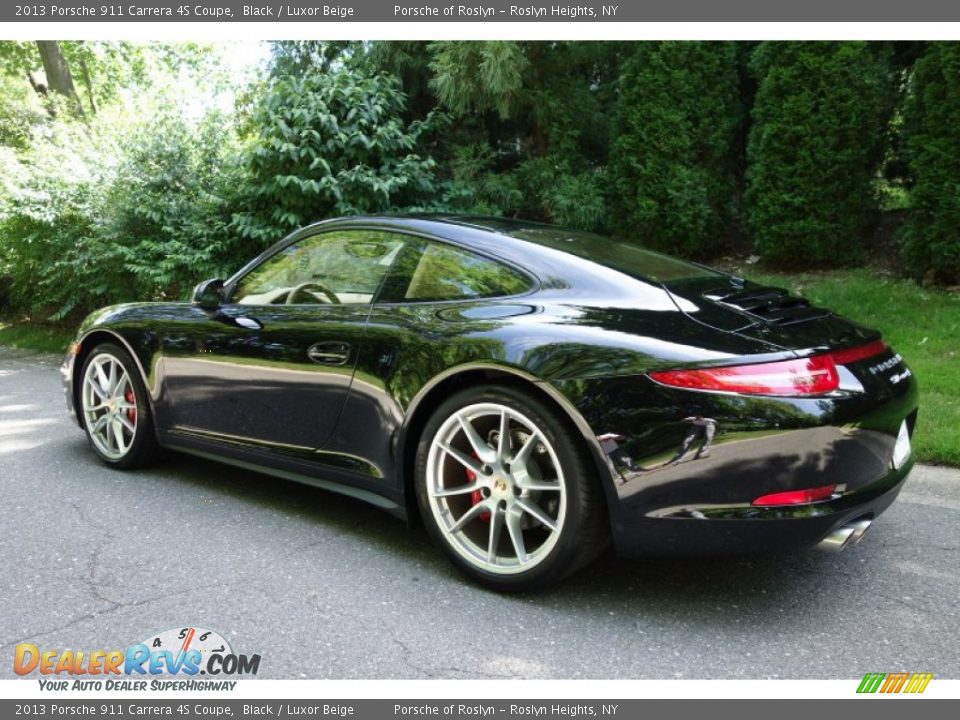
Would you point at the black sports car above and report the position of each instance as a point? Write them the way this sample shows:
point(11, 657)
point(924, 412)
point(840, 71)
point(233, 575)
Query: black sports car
point(528, 392)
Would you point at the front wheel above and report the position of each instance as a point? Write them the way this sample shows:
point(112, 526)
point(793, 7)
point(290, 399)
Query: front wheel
point(508, 490)
point(116, 414)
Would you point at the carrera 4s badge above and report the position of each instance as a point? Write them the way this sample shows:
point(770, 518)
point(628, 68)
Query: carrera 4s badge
point(889, 364)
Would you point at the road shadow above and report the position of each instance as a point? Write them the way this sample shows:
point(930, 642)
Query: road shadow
point(754, 583)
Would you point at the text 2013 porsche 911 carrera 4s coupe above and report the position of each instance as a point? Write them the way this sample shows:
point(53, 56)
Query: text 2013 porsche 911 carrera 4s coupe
point(528, 392)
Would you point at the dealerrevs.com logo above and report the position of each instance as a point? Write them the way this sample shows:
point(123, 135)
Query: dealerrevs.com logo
point(186, 653)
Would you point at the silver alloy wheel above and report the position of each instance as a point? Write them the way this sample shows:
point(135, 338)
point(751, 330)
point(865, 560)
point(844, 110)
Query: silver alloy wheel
point(109, 406)
point(488, 467)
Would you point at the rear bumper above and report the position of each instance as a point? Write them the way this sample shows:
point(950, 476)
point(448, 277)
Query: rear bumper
point(675, 485)
point(747, 529)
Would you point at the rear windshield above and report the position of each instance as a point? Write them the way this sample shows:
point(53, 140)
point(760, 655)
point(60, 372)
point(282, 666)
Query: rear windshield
point(625, 257)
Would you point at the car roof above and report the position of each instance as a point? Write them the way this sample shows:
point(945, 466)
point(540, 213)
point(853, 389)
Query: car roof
point(478, 231)
point(493, 236)
point(491, 223)
point(559, 256)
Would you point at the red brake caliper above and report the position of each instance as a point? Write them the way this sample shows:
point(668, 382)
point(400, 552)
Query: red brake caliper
point(131, 412)
point(476, 496)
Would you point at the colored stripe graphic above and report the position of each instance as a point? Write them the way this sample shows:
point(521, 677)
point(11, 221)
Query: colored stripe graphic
point(871, 682)
point(894, 682)
point(918, 682)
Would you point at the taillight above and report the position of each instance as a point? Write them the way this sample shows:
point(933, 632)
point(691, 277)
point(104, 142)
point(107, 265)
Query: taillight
point(796, 497)
point(806, 376)
point(855, 354)
point(803, 377)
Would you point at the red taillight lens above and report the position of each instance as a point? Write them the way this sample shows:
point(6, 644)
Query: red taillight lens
point(852, 355)
point(815, 375)
point(806, 376)
point(796, 497)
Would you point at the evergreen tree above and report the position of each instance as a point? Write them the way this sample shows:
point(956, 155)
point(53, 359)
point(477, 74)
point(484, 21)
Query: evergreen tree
point(932, 136)
point(331, 144)
point(672, 165)
point(531, 122)
point(815, 146)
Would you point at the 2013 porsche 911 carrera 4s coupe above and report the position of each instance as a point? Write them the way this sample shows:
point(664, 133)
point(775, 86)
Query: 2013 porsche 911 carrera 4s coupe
point(527, 392)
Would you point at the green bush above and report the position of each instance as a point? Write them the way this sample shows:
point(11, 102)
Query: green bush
point(20, 111)
point(53, 204)
point(171, 203)
point(331, 144)
point(554, 190)
point(531, 127)
point(120, 209)
point(672, 179)
point(475, 187)
point(814, 149)
point(932, 137)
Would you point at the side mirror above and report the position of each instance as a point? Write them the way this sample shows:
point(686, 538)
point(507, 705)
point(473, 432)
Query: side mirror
point(208, 294)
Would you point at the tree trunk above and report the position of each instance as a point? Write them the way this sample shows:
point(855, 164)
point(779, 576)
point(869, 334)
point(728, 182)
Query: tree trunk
point(59, 79)
point(540, 141)
point(85, 75)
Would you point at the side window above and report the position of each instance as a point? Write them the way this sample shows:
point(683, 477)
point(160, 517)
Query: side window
point(444, 272)
point(339, 267)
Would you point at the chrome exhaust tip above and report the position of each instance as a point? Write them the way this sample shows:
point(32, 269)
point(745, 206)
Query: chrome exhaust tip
point(860, 528)
point(845, 536)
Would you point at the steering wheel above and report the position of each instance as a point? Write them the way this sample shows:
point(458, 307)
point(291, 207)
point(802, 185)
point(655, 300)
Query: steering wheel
point(312, 286)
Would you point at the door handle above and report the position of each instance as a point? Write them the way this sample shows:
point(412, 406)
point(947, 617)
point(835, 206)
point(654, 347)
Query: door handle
point(329, 353)
point(248, 323)
point(241, 321)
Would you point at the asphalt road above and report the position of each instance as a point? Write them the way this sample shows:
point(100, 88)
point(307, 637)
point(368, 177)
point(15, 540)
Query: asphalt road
point(323, 586)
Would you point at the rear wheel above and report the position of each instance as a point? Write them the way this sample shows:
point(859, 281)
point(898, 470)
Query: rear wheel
point(116, 415)
point(508, 490)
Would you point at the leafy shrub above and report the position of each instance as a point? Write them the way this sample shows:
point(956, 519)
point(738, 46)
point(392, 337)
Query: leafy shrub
point(531, 129)
point(932, 130)
point(53, 204)
point(331, 144)
point(557, 192)
point(20, 112)
point(121, 209)
point(474, 187)
point(816, 142)
point(672, 170)
point(171, 204)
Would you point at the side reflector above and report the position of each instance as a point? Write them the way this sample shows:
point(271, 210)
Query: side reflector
point(795, 497)
point(901, 450)
point(815, 375)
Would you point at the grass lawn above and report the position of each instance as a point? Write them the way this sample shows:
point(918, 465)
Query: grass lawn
point(922, 324)
point(46, 338)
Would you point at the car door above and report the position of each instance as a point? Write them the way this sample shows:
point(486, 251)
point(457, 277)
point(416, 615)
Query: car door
point(432, 314)
point(272, 367)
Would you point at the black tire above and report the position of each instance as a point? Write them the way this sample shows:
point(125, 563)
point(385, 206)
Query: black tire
point(143, 449)
point(584, 532)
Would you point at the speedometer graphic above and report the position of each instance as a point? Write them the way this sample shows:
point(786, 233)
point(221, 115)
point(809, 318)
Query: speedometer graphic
point(183, 639)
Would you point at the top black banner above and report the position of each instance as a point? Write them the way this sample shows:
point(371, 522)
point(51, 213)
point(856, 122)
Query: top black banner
point(480, 11)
